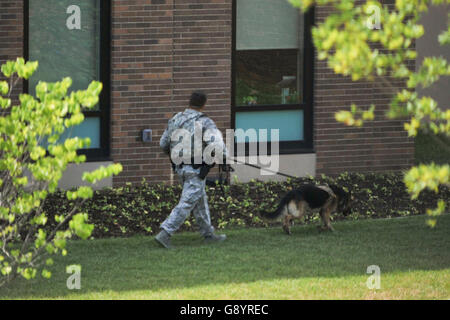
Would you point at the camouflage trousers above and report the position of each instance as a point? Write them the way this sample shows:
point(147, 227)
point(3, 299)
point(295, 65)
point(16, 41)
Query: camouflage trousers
point(193, 198)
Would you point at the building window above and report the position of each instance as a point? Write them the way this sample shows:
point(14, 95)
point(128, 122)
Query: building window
point(71, 38)
point(272, 72)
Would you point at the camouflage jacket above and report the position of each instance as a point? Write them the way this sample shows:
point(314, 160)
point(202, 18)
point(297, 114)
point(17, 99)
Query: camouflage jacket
point(193, 125)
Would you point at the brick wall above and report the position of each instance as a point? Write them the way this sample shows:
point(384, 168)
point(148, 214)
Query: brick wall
point(380, 145)
point(11, 34)
point(162, 50)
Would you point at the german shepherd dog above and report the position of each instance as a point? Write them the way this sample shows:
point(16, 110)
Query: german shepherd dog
point(327, 199)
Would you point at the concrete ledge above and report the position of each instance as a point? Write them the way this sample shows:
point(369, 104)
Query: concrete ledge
point(298, 165)
point(72, 176)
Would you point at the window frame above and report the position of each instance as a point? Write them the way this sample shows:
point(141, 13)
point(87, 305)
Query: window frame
point(102, 153)
point(285, 147)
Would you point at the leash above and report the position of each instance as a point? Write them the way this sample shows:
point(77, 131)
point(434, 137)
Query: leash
point(265, 169)
point(226, 168)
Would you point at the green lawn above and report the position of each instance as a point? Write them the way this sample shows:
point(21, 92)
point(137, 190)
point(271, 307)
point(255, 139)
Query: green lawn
point(260, 264)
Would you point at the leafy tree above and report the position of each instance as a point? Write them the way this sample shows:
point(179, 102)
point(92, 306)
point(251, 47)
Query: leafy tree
point(32, 161)
point(353, 45)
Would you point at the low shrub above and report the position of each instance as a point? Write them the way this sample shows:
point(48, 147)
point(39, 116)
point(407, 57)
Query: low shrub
point(131, 210)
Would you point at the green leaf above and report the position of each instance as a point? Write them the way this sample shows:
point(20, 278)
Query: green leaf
point(60, 243)
point(4, 87)
point(444, 38)
point(80, 227)
point(26, 70)
point(37, 152)
point(85, 192)
point(8, 68)
point(46, 274)
point(41, 219)
point(5, 103)
point(71, 195)
point(29, 273)
point(50, 248)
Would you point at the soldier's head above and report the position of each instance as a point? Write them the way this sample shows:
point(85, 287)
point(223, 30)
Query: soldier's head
point(198, 100)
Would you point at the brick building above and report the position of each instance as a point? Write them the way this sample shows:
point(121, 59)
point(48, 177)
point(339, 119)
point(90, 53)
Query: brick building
point(254, 66)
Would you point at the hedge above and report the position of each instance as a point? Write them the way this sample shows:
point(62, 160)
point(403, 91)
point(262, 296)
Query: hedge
point(139, 210)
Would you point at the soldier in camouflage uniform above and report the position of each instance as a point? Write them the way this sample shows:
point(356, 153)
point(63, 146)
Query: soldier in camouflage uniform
point(192, 175)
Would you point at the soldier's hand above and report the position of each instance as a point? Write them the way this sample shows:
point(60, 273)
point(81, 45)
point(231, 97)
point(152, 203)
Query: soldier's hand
point(226, 168)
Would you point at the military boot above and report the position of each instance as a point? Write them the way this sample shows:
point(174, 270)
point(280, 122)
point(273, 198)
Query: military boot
point(163, 238)
point(214, 238)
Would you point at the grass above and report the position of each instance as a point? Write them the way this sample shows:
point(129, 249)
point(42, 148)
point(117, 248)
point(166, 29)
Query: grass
point(260, 264)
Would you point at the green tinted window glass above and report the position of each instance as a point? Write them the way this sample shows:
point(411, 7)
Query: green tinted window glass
point(288, 122)
point(89, 128)
point(269, 53)
point(64, 36)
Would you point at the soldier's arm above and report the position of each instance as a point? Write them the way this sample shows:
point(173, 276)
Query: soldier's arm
point(164, 142)
point(216, 137)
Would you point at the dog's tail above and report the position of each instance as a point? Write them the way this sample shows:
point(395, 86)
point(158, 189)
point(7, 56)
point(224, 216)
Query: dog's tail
point(280, 209)
point(272, 215)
